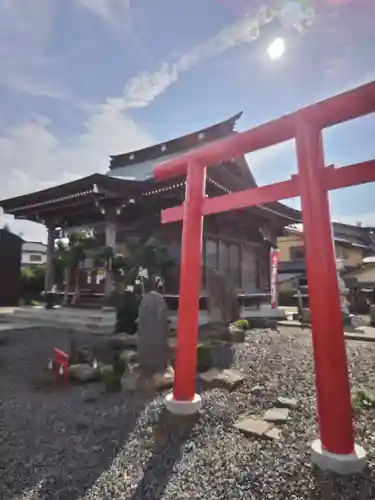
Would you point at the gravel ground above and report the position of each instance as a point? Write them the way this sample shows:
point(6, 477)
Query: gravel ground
point(79, 443)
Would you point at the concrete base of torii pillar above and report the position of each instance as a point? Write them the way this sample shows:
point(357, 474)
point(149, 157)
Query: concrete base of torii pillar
point(340, 464)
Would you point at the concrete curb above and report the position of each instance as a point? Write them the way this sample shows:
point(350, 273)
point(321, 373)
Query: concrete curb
point(361, 337)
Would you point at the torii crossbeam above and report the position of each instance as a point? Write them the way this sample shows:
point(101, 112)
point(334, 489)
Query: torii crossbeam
point(336, 449)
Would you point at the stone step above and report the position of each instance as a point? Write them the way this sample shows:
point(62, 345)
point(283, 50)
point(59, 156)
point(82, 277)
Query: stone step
point(81, 320)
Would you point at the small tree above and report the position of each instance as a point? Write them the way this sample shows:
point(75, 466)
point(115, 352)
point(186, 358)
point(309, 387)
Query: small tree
point(68, 259)
point(151, 255)
point(32, 283)
point(79, 244)
point(146, 254)
point(62, 268)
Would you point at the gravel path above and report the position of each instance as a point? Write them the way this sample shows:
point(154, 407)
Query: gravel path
point(81, 444)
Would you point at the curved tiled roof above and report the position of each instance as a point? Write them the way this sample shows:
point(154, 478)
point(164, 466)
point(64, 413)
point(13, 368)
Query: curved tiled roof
point(175, 146)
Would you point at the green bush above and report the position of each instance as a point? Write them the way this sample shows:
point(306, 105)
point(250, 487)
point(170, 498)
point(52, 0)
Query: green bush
point(32, 284)
point(127, 307)
point(204, 358)
point(362, 400)
point(242, 323)
point(111, 380)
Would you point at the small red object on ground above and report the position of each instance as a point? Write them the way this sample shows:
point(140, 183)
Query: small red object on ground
point(62, 362)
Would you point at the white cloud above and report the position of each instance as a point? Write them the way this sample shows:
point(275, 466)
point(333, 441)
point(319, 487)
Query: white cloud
point(25, 29)
point(118, 16)
point(32, 157)
point(144, 88)
point(25, 65)
point(116, 13)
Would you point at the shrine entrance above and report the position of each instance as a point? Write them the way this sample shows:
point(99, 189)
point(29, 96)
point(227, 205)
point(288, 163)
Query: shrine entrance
point(336, 449)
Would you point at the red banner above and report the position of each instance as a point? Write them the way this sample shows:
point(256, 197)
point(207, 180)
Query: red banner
point(274, 256)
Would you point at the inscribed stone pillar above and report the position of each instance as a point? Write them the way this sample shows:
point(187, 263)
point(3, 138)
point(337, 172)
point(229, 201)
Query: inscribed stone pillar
point(49, 276)
point(153, 334)
point(343, 291)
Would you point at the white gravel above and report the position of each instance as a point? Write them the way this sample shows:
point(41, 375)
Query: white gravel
point(82, 444)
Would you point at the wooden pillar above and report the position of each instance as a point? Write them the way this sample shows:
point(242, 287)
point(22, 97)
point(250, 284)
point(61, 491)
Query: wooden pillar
point(49, 275)
point(110, 218)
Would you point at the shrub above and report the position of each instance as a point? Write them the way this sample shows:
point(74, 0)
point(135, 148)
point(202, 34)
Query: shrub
point(118, 366)
point(204, 358)
point(242, 323)
point(127, 308)
point(111, 380)
point(362, 400)
point(32, 284)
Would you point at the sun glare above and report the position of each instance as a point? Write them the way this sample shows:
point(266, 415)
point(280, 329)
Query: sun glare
point(276, 49)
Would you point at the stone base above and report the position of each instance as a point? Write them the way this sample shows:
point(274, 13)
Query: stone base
point(357, 321)
point(183, 407)
point(341, 464)
point(305, 313)
point(264, 311)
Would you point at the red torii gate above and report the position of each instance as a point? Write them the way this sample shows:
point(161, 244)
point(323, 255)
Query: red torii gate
point(336, 448)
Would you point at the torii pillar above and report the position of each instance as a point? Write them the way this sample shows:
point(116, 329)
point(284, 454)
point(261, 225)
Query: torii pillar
point(184, 400)
point(336, 449)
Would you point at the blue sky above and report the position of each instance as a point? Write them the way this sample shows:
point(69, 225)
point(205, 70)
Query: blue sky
point(83, 79)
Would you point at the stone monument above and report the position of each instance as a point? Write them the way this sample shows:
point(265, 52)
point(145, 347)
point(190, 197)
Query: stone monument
point(223, 305)
point(343, 291)
point(153, 334)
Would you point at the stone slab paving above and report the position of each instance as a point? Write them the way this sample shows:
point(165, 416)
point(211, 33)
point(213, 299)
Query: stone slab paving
point(283, 402)
point(253, 427)
point(274, 434)
point(276, 415)
point(226, 379)
point(258, 390)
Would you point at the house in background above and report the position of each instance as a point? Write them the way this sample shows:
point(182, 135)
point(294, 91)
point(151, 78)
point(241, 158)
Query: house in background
point(33, 253)
point(353, 244)
point(363, 278)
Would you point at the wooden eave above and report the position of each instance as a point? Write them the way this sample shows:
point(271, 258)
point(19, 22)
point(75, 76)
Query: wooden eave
point(72, 195)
